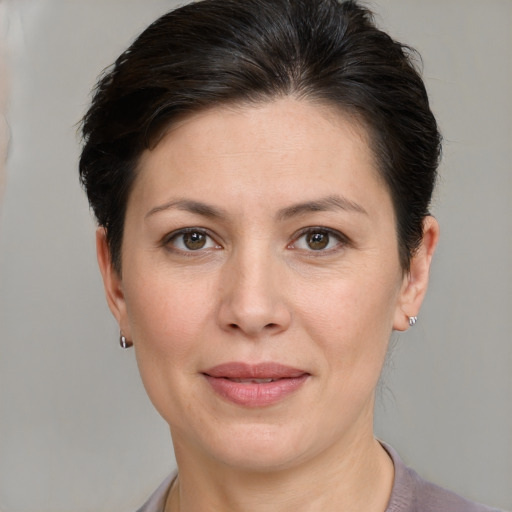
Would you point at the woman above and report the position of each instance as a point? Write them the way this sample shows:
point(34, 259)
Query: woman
point(261, 172)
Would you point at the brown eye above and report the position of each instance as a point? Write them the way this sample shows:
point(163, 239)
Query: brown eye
point(317, 241)
point(190, 240)
point(194, 240)
point(320, 240)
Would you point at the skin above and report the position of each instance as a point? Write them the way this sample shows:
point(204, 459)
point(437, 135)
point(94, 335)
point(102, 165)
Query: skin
point(257, 292)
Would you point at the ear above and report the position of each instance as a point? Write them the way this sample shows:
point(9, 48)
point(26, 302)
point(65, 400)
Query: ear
point(415, 282)
point(112, 282)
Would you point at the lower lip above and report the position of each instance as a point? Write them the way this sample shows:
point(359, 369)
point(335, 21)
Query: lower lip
point(256, 394)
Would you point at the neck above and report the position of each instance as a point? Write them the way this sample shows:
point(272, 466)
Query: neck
point(354, 476)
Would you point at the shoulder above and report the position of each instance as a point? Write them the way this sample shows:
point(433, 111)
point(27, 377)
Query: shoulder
point(156, 502)
point(411, 493)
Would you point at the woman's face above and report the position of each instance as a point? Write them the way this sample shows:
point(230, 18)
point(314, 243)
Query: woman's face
point(261, 282)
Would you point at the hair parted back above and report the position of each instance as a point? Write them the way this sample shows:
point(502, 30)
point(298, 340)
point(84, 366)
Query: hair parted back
point(215, 52)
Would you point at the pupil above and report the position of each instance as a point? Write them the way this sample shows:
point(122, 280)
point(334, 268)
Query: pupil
point(194, 241)
point(318, 241)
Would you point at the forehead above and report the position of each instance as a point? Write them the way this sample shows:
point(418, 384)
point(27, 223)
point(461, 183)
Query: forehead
point(280, 116)
point(280, 148)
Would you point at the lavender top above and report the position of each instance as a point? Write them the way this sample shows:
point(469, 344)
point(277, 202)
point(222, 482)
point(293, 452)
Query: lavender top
point(413, 494)
point(410, 493)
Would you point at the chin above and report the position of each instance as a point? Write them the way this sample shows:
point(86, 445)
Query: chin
point(248, 447)
point(255, 447)
point(262, 456)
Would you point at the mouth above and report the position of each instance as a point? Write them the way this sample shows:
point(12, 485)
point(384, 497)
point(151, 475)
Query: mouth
point(257, 385)
point(253, 381)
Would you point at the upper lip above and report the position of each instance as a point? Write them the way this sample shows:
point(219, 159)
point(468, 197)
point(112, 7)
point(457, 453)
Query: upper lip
point(266, 370)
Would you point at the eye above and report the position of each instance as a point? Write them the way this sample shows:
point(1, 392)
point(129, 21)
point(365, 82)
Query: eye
point(318, 239)
point(190, 240)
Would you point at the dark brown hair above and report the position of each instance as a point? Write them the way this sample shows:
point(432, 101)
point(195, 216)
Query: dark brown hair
point(214, 52)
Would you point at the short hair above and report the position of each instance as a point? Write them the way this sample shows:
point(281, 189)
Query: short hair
point(215, 52)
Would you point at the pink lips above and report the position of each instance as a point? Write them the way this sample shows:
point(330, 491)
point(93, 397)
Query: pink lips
point(255, 385)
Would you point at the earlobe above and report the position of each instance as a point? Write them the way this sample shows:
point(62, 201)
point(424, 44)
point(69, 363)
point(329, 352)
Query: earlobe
point(415, 283)
point(111, 281)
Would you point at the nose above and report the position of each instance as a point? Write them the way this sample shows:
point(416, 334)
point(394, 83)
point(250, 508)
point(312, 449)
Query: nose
point(253, 295)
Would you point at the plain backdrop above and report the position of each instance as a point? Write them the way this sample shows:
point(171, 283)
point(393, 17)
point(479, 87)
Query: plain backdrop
point(77, 432)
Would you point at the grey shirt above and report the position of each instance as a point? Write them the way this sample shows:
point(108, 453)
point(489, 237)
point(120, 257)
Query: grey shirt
point(410, 493)
point(413, 494)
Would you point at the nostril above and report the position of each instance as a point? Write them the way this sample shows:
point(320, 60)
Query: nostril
point(268, 326)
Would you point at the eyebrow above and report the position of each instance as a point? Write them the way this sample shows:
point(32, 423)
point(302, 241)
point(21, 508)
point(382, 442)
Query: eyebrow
point(187, 205)
point(325, 204)
point(329, 203)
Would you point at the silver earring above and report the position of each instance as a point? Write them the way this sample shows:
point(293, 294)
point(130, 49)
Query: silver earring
point(412, 320)
point(124, 342)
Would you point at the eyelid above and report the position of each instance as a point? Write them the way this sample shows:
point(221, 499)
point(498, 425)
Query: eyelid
point(169, 237)
point(343, 240)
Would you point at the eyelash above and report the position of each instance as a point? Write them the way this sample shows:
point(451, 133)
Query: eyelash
point(172, 237)
point(342, 240)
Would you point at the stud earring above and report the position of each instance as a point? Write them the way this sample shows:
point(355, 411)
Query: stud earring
point(412, 320)
point(124, 342)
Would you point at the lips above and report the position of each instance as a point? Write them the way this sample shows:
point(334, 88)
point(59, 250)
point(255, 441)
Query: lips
point(257, 385)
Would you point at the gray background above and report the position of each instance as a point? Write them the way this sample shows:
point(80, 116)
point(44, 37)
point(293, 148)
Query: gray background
point(76, 429)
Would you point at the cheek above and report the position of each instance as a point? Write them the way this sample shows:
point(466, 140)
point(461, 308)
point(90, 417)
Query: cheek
point(351, 319)
point(168, 321)
point(167, 315)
